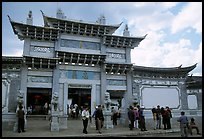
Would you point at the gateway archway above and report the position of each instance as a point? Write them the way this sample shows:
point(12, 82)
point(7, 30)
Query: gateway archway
point(79, 96)
point(36, 99)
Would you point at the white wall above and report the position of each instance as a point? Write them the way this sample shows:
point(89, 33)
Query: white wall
point(164, 96)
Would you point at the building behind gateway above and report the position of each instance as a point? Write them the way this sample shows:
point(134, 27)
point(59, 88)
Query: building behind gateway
point(81, 61)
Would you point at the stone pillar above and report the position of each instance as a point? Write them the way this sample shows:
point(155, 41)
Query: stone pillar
point(199, 99)
point(127, 100)
point(103, 84)
point(93, 98)
point(184, 101)
point(103, 76)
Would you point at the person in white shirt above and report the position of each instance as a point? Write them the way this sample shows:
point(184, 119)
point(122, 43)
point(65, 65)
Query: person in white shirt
point(85, 117)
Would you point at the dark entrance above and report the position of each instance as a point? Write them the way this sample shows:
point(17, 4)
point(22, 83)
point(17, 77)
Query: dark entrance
point(36, 99)
point(80, 96)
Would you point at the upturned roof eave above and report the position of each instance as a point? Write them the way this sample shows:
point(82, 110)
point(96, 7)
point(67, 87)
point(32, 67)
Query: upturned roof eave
point(166, 70)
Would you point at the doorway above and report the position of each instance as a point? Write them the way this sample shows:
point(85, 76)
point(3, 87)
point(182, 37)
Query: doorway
point(36, 99)
point(80, 96)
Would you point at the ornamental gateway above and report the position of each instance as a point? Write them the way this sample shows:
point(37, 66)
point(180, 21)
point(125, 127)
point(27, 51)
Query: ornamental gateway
point(72, 62)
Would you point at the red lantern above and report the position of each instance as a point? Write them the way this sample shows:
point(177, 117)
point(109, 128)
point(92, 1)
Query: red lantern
point(37, 97)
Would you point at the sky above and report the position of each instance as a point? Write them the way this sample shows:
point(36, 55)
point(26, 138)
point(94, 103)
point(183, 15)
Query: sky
point(174, 28)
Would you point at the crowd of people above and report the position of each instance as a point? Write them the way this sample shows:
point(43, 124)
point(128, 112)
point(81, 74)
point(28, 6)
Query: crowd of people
point(162, 120)
point(162, 116)
point(97, 115)
point(136, 117)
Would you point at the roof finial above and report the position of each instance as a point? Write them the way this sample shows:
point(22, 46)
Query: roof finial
point(126, 32)
point(60, 14)
point(101, 19)
point(30, 18)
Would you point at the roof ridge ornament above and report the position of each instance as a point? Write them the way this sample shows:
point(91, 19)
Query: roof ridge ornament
point(101, 19)
point(29, 20)
point(9, 18)
point(60, 14)
point(42, 12)
point(126, 31)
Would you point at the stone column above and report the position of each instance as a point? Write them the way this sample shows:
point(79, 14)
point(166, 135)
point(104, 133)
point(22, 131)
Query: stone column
point(127, 100)
point(93, 98)
point(184, 101)
point(23, 90)
point(103, 84)
point(103, 76)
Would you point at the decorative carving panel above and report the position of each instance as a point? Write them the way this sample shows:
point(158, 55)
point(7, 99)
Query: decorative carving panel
point(41, 79)
point(116, 55)
point(42, 49)
point(80, 44)
point(116, 82)
point(77, 74)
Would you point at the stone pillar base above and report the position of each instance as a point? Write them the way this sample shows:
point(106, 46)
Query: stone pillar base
point(63, 121)
point(54, 126)
point(55, 122)
point(15, 128)
point(107, 120)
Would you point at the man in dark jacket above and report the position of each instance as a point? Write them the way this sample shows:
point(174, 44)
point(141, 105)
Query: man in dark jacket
point(99, 117)
point(94, 115)
point(168, 117)
point(142, 118)
point(131, 117)
point(21, 122)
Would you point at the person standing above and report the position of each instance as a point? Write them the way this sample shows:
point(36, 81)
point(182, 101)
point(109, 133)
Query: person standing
point(142, 118)
point(85, 119)
point(46, 108)
point(164, 114)
point(94, 115)
point(183, 124)
point(136, 117)
point(158, 110)
point(154, 114)
point(21, 121)
point(168, 117)
point(131, 117)
point(99, 117)
point(114, 116)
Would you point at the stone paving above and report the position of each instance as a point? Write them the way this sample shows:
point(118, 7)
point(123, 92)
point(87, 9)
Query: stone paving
point(41, 128)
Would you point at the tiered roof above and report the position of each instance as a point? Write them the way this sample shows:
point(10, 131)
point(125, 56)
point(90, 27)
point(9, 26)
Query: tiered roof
point(194, 82)
point(34, 32)
point(9, 62)
point(80, 58)
point(115, 68)
point(79, 27)
point(174, 71)
point(121, 41)
point(54, 26)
